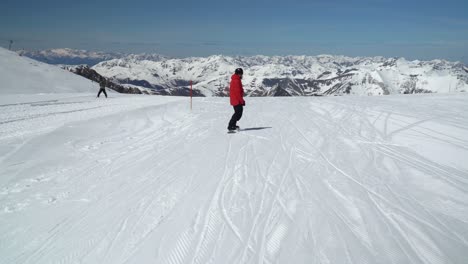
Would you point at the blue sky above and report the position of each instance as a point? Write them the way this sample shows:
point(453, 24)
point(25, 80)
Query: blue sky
point(412, 29)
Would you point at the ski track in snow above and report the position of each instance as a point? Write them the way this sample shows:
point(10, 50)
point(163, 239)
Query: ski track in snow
point(140, 179)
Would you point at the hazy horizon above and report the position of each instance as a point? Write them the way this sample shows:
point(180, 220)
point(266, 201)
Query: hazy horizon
point(463, 60)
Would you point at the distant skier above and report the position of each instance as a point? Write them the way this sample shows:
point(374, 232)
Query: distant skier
point(102, 84)
point(236, 93)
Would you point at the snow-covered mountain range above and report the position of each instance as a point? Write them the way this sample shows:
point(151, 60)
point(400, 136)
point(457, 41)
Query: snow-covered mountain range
point(291, 75)
point(71, 56)
point(268, 76)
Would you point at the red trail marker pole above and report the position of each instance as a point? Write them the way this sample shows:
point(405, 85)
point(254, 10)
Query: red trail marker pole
point(190, 95)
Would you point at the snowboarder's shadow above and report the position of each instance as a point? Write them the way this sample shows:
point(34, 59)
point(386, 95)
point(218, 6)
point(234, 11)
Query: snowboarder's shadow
point(254, 128)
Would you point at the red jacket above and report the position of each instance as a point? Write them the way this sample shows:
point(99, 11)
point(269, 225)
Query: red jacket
point(236, 92)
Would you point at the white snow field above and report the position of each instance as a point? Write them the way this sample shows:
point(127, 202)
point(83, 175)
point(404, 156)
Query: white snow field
point(142, 179)
point(21, 75)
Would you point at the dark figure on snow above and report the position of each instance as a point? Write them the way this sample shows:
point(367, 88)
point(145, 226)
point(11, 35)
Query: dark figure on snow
point(102, 84)
point(236, 93)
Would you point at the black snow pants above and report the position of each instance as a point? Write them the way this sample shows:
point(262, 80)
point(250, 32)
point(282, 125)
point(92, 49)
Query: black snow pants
point(238, 109)
point(102, 91)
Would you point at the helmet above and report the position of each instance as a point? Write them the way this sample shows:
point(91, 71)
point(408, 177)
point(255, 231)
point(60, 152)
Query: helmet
point(239, 71)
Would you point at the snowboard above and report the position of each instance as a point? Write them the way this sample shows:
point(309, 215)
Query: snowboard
point(234, 131)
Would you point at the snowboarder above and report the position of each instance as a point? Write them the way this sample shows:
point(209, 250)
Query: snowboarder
point(236, 93)
point(102, 84)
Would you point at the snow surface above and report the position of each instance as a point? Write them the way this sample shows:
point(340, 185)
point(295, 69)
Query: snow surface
point(21, 75)
point(142, 179)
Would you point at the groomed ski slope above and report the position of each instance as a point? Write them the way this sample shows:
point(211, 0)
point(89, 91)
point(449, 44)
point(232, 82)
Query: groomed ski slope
point(141, 179)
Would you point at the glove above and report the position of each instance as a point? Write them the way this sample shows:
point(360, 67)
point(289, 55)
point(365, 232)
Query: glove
point(243, 104)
